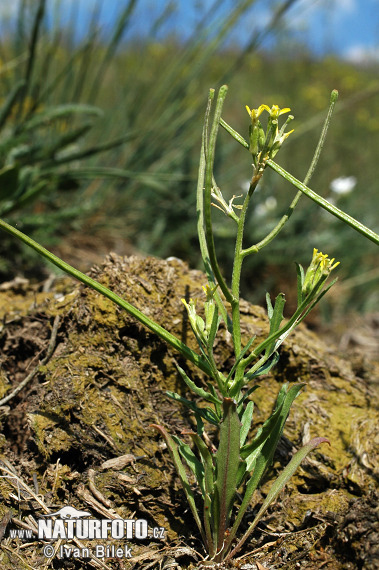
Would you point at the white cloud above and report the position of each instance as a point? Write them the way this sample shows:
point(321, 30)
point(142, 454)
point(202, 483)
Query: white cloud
point(362, 54)
point(345, 5)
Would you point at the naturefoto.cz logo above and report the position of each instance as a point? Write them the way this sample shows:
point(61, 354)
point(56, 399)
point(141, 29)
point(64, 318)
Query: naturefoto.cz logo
point(70, 523)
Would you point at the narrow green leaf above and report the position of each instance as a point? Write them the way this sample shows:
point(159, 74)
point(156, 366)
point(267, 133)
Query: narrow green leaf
point(196, 389)
point(300, 282)
point(173, 449)
point(207, 461)
point(272, 429)
point(64, 140)
point(209, 491)
point(227, 461)
point(7, 106)
point(60, 112)
point(216, 320)
point(260, 452)
point(275, 319)
point(240, 356)
point(277, 486)
point(192, 461)
point(246, 420)
point(171, 339)
point(207, 413)
point(268, 363)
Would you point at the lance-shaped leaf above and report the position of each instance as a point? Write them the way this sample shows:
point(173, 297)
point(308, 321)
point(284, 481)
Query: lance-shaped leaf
point(275, 315)
point(174, 453)
point(209, 472)
point(265, 364)
point(246, 420)
point(240, 357)
point(277, 486)
point(139, 315)
point(206, 413)
point(192, 461)
point(259, 453)
point(300, 283)
point(227, 461)
point(196, 389)
point(272, 429)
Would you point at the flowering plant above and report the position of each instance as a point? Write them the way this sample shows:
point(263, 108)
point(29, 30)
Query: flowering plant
point(235, 460)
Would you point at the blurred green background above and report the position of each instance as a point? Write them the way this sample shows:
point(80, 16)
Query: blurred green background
point(100, 132)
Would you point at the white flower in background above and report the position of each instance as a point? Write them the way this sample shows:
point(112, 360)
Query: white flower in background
point(245, 185)
point(267, 206)
point(343, 184)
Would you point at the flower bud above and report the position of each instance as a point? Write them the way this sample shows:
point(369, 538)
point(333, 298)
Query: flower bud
point(317, 272)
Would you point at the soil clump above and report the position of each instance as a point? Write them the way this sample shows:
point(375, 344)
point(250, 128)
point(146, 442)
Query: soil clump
point(78, 432)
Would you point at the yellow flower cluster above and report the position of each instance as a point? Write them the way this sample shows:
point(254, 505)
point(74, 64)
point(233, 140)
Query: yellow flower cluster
point(266, 144)
point(318, 271)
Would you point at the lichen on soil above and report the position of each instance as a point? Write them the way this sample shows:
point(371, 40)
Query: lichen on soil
point(106, 383)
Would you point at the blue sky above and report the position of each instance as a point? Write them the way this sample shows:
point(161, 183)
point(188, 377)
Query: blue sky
point(346, 28)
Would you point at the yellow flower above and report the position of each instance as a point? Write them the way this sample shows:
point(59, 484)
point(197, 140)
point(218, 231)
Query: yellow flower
point(326, 264)
point(275, 111)
point(318, 271)
point(254, 113)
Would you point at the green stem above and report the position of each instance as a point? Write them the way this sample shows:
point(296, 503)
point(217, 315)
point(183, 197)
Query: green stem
point(275, 231)
point(325, 204)
point(200, 213)
point(236, 276)
point(172, 340)
point(207, 194)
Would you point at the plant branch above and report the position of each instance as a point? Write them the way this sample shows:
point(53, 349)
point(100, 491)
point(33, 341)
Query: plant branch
point(349, 220)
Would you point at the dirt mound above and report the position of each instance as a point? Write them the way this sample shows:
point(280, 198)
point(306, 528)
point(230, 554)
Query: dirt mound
point(78, 432)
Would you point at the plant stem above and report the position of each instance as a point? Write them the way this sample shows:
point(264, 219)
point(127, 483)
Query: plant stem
point(207, 194)
point(200, 214)
point(237, 267)
point(236, 278)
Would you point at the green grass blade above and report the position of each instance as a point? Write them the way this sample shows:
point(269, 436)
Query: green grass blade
point(60, 112)
point(8, 104)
